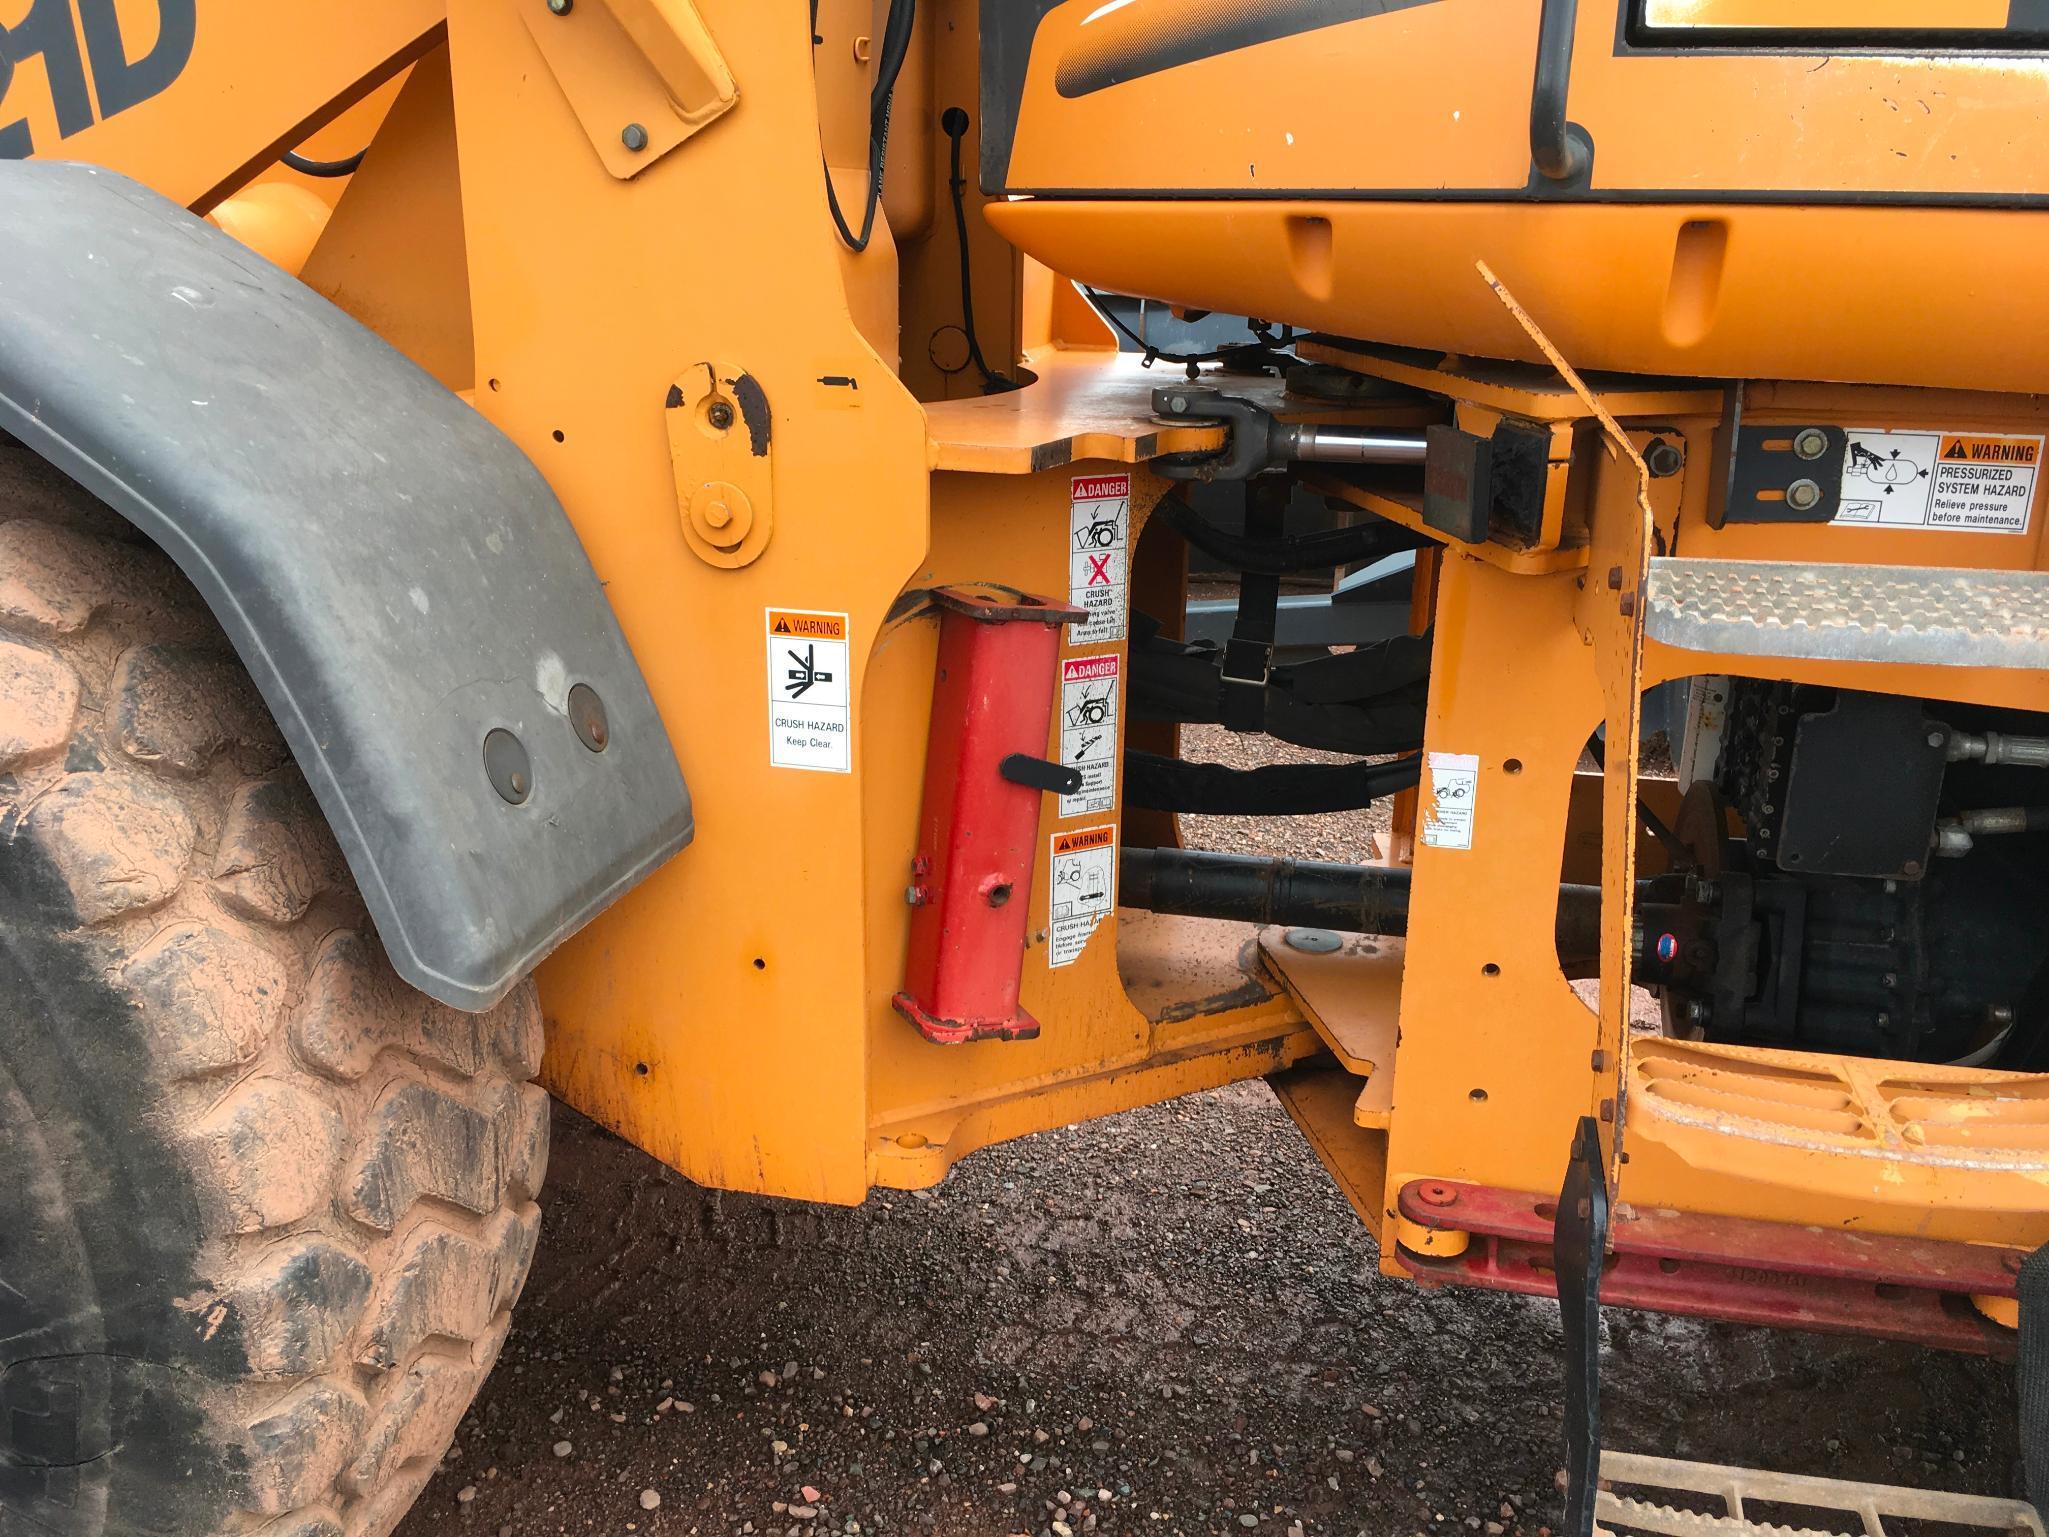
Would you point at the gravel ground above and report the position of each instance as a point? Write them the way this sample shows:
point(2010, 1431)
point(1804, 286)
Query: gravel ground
point(1168, 1322)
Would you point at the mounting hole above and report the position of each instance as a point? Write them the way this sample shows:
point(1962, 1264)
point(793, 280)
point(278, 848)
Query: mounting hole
point(494, 385)
point(1490, 970)
point(1478, 1096)
point(1669, 1266)
point(640, 1068)
point(558, 436)
point(1548, 1210)
point(760, 964)
point(1512, 766)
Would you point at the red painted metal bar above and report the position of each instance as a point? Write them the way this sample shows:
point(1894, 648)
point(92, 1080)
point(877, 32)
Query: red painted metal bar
point(978, 837)
point(1732, 1268)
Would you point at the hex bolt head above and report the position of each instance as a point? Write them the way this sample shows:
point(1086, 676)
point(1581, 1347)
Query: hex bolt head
point(507, 766)
point(720, 414)
point(1803, 496)
point(634, 137)
point(587, 718)
point(561, 7)
point(1810, 443)
point(1663, 459)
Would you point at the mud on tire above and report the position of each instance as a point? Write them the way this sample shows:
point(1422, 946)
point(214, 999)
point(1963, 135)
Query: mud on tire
point(263, 1208)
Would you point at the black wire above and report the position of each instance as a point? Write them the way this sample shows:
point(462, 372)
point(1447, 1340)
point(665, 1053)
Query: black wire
point(344, 167)
point(1154, 355)
point(896, 45)
point(955, 122)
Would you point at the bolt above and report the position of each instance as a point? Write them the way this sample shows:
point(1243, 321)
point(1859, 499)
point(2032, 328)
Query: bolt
point(1178, 404)
point(561, 7)
point(1615, 579)
point(2012, 1261)
point(1911, 867)
point(914, 896)
point(1663, 459)
point(1600, 1062)
point(1608, 1110)
point(720, 414)
point(1803, 496)
point(1936, 739)
point(587, 717)
point(717, 514)
point(1627, 604)
point(1810, 443)
point(634, 137)
point(1438, 1195)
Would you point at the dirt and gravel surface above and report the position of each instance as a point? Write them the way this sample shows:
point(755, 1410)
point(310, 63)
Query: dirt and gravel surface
point(1165, 1323)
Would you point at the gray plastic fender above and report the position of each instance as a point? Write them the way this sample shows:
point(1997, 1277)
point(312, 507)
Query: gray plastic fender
point(395, 574)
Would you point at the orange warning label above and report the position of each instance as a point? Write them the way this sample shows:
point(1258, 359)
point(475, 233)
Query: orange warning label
point(1978, 449)
point(783, 621)
point(1087, 838)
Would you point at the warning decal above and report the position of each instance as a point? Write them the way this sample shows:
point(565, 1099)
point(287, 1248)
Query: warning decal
point(1082, 890)
point(1453, 790)
point(1098, 538)
point(1088, 732)
point(1975, 482)
point(810, 710)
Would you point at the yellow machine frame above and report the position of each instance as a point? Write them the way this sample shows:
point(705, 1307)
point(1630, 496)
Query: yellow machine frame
point(598, 302)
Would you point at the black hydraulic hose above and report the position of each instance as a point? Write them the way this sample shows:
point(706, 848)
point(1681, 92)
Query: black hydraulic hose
point(1160, 783)
point(955, 122)
point(896, 46)
point(1300, 893)
point(1322, 551)
point(1558, 155)
point(343, 167)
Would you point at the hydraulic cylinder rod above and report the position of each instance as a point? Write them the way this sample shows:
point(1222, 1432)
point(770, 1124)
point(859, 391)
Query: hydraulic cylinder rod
point(1325, 444)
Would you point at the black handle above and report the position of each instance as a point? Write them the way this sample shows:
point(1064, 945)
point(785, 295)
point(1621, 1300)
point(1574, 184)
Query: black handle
point(1022, 768)
point(1556, 153)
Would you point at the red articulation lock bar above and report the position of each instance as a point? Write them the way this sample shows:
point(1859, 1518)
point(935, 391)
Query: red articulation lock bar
point(971, 881)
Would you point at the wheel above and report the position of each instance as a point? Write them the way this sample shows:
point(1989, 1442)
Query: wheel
point(263, 1208)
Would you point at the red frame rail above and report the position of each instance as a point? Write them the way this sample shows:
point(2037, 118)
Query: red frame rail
point(1733, 1268)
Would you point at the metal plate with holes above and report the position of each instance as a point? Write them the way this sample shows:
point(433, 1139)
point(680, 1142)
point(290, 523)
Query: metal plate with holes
point(1670, 1498)
point(1927, 616)
point(1786, 474)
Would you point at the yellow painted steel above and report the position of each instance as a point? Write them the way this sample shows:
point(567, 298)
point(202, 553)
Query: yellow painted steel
point(732, 1015)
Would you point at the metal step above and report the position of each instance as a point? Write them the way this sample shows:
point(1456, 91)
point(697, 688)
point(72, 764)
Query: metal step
point(1924, 615)
point(1670, 1498)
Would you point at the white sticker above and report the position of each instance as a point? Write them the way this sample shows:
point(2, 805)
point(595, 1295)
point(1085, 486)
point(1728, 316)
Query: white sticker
point(810, 710)
point(1453, 792)
point(1975, 482)
point(1098, 539)
point(1088, 732)
point(1084, 888)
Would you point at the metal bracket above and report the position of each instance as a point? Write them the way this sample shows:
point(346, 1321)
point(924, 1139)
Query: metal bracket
point(640, 75)
point(721, 446)
point(1578, 1245)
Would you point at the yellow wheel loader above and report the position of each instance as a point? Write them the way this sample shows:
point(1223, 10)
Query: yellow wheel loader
point(435, 432)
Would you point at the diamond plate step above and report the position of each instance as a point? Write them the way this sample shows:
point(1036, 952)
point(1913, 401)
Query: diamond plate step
point(1929, 616)
point(1670, 1498)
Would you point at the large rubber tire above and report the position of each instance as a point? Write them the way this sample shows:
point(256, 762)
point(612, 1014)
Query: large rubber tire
point(263, 1208)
